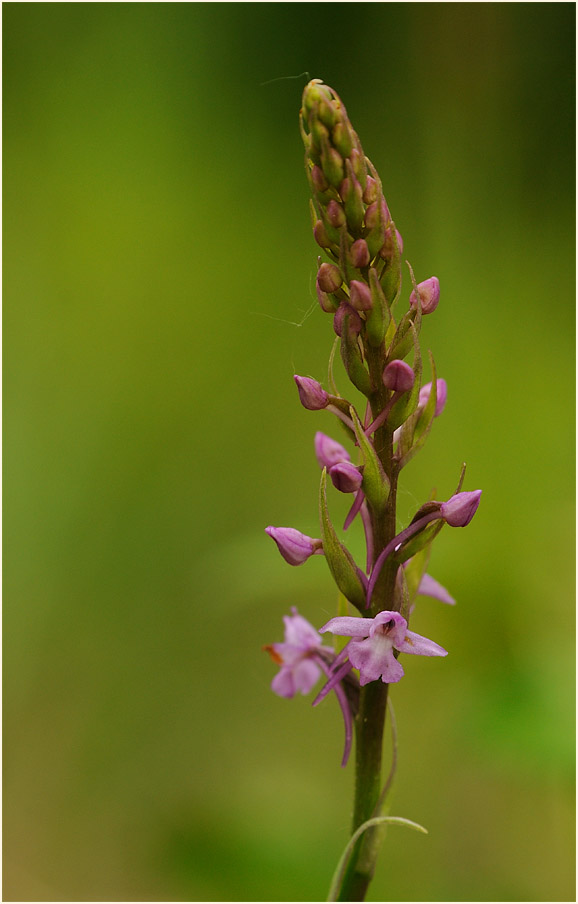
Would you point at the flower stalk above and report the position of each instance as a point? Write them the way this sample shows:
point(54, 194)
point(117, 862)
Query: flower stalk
point(358, 286)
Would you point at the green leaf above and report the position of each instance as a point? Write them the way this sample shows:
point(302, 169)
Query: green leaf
point(339, 559)
point(408, 403)
point(342, 610)
point(420, 541)
point(405, 598)
point(331, 378)
point(415, 571)
point(376, 484)
point(391, 274)
point(339, 873)
point(380, 315)
point(352, 360)
point(417, 430)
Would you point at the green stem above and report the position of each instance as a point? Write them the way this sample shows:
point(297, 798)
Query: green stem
point(369, 748)
point(370, 722)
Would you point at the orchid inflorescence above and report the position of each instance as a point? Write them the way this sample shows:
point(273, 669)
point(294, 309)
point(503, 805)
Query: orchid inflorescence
point(358, 285)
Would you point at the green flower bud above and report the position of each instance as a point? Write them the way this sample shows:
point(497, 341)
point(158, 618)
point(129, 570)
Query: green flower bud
point(332, 164)
point(320, 235)
point(327, 113)
point(357, 160)
point(329, 278)
point(335, 214)
point(342, 139)
point(351, 192)
point(315, 92)
point(318, 180)
point(371, 191)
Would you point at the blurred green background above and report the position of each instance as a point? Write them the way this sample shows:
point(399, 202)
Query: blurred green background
point(158, 296)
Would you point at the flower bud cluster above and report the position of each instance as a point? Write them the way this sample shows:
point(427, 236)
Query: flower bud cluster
point(351, 218)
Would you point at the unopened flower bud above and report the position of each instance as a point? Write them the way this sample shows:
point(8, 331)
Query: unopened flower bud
point(441, 395)
point(329, 277)
point(327, 114)
point(294, 546)
point(377, 213)
point(398, 376)
point(352, 194)
point(358, 164)
point(311, 394)
point(461, 508)
point(314, 92)
point(360, 295)
point(345, 311)
point(387, 250)
point(320, 235)
point(371, 191)
point(359, 254)
point(332, 164)
point(429, 293)
point(342, 139)
point(327, 302)
point(320, 183)
point(346, 477)
point(335, 214)
point(319, 132)
point(329, 452)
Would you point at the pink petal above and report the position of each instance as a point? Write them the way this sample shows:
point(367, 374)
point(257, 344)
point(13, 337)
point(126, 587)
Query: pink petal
point(305, 674)
point(283, 683)
point(336, 677)
point(348, 626)
point(300, 632)
point(430, 587)
point(421, 646)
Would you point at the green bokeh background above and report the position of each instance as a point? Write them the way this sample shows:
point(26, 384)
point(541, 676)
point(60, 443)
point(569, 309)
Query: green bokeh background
point(158, 278)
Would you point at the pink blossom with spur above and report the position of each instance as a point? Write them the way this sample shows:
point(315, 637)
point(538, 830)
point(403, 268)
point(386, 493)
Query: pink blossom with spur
point(302, 658)
point(296, 656)
point(371, 647)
